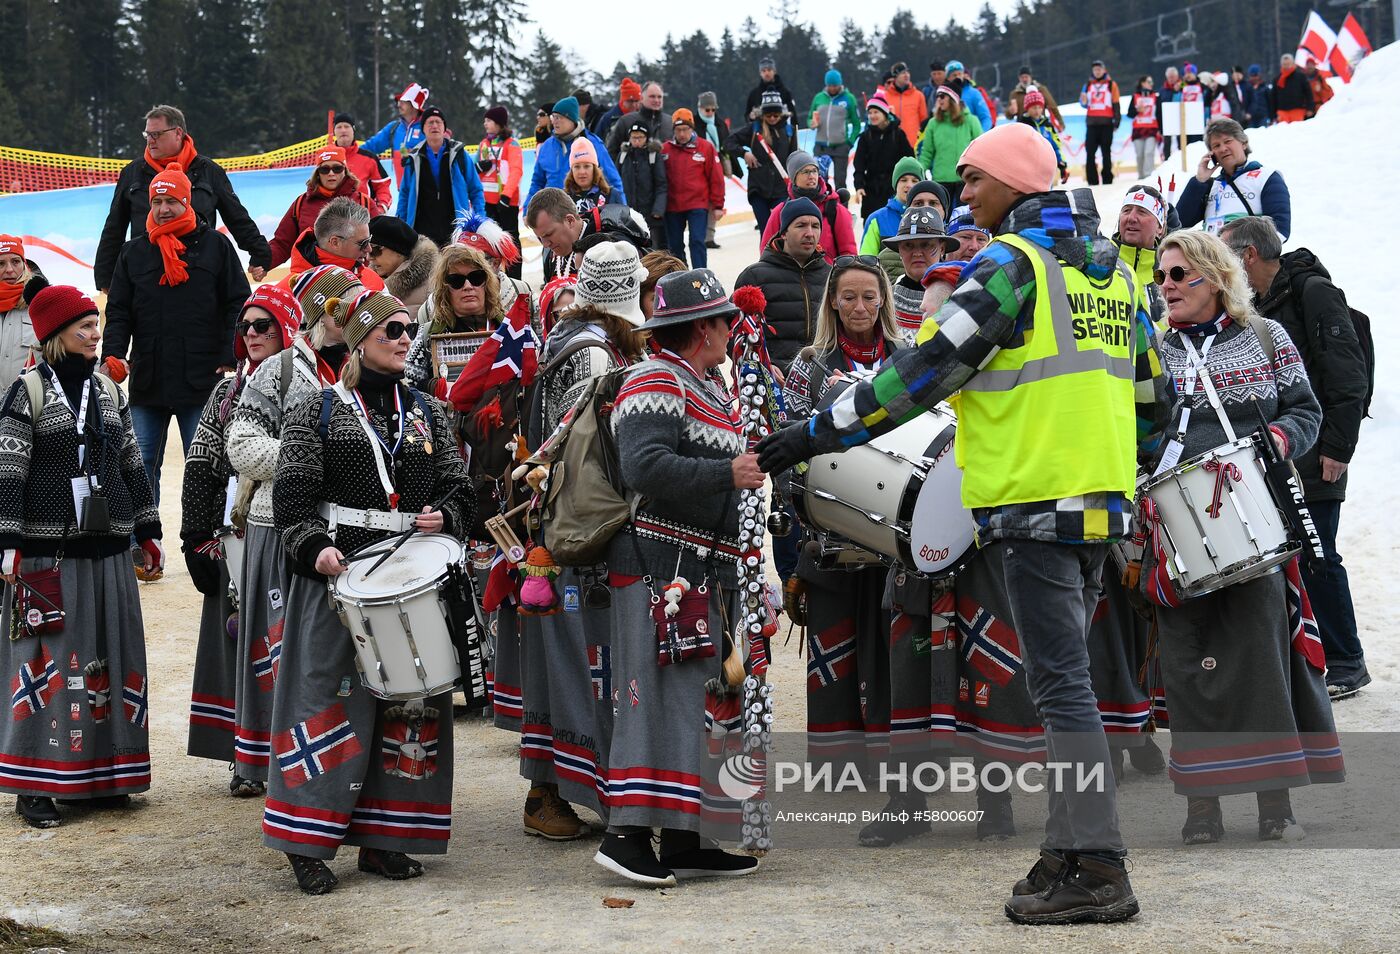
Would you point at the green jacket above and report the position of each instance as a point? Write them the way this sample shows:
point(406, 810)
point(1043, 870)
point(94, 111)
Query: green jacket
point(836, 126)
point(942, 145)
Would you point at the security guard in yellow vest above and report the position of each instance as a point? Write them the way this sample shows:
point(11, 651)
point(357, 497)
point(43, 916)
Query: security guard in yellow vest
point(1061, 394)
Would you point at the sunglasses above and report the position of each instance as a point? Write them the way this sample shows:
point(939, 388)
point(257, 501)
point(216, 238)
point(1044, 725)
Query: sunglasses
point(456, 280)
point(1176, 273)
point(330, 170)
point(362, 244)
point(394, 330)
point(867, 261)
point(262, 326)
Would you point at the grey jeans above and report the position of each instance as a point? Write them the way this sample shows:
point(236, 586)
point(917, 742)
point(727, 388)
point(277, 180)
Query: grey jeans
point(1051, 590)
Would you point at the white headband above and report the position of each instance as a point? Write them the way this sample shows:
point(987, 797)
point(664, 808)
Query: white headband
point(1146, 200)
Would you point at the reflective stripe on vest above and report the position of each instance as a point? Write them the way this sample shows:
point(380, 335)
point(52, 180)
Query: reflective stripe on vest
point(1055, 417)
point(1144, 111)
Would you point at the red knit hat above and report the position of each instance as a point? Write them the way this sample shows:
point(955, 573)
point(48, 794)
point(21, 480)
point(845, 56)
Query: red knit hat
point(1033, 98)
point(56, 307)
point(278, 302)
point(629, 89)
point(172, 181)
point(11, 245)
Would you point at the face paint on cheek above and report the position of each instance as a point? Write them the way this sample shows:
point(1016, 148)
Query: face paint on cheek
point(1196, 281)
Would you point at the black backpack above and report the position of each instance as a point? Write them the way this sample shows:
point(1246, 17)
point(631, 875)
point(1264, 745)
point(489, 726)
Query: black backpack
point(1360, 322)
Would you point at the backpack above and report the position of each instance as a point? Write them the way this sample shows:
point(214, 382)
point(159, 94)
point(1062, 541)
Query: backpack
point(1360, 323)
point(585, 503)
point(34, 384)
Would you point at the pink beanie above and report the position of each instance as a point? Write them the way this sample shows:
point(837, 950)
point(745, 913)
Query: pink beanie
point(582, 151)
point(1015, 155)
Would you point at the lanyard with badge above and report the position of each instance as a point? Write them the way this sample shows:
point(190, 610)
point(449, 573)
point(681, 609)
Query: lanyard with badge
point(1197, 371)
point(380, 447)
point(89, 501)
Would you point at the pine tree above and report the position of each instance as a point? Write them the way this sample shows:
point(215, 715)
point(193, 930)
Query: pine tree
point(307, 68)
point(223, 107)
point(441, 53)
point(550, 79)
point(856, 60)
point(494, 26)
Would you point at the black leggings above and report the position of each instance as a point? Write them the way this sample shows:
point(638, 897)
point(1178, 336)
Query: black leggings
point(1096, 139)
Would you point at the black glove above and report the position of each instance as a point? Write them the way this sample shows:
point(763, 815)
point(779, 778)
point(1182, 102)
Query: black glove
point(204, 572)
point(789, 446)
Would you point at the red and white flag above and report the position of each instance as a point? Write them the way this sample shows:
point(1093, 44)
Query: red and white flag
point(1352, 42)
point(1319, 46)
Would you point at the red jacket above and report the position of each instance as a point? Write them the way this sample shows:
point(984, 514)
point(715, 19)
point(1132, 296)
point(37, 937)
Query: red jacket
point(841, 241)
point(301, 216)
point(374, 180)
point(506, 164)
point(693, 178)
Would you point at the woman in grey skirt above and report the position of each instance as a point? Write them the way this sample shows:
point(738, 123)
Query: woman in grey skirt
point(252, 441)
point(682, 452)
point(269, 320)
point(72, 493)
point(1249, 707)
point(568, 727)
point(369, 457)
point(848, 623)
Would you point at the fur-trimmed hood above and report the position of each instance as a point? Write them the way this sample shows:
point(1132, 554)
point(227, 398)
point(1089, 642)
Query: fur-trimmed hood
point(409, 282)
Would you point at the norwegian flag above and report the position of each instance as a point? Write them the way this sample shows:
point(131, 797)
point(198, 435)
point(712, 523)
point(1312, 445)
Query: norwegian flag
point(988, 645)
point(410, 751)
point(134, 699)
point(510, 352)
point(831, 654)
point(312, 748)
point(1304, 636)
point(34, 685)
point(600, 672)
point(266, 654)
point(502, 583)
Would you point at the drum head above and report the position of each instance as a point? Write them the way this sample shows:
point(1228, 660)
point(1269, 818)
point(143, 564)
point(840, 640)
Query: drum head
point(422, 559)
point(942, 530)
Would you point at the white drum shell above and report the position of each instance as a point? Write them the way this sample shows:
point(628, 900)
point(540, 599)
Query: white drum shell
point(1247, 538)
point(399, 624)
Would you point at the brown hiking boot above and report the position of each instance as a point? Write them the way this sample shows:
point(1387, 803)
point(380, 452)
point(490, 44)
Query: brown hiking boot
point(1088, 890)
point(1044, 873)
point(549, 816)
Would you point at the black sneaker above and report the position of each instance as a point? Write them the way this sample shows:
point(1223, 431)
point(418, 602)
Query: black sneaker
point(1045, 872)
point(1089, 889)
point(38, 811)
point(899, 821)
point(631, 856)
point(1347, 686)
point(712, 244)
point(709, 863)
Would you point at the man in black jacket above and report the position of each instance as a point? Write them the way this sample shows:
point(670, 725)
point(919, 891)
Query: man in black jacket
point(167, 140)
point(768, 79)
point(1296, 291)
point(792, 274)
point(175, 296)
point(650, 114)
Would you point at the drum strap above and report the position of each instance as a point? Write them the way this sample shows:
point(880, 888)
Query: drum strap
point(1198, 363)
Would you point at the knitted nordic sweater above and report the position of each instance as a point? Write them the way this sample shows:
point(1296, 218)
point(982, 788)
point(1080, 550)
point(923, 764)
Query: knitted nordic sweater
point(341, 470)
point(253, 434)
point(39, 459)
point(1242, 374)
point(676, 435)
point(204, 494)
point(561, 388)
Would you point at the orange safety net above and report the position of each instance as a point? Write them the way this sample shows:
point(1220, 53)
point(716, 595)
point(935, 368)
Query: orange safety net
point(24, 170)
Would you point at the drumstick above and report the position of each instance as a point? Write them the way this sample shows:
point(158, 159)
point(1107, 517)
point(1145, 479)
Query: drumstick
point(403, 538)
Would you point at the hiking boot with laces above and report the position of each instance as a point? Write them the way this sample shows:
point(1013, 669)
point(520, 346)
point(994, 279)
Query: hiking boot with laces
point(1088, 890)
point(1043, 873)
point(549, 816)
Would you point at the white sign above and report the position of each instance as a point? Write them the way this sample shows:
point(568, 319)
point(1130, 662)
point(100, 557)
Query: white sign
point(1195, 118)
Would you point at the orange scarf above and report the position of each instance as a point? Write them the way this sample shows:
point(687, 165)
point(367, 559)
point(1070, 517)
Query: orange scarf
point(10, 294)
point(167, 238)
point(184, 157)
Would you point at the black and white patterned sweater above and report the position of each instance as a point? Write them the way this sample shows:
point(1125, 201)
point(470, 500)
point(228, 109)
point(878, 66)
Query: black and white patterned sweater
point(39, 459)
point(564, 384)
point(342, 471)
point(254, 433)
point(204, 494)
point(677, 432)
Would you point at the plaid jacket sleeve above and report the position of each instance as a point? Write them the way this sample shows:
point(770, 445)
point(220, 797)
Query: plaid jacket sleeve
point(1153, 392)
point(988, 311)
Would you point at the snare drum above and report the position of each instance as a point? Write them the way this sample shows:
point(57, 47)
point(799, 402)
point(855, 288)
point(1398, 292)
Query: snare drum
point(899, 496)
point(231, 542)
point(398, 616)
point(1220, 522)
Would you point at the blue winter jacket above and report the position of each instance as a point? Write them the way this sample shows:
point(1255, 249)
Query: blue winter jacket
point(395, 136)
point(972, 99)
point(1274, 200)
point(1256, 103)
point(467, 193)
point(885, 221)
point(552, 168)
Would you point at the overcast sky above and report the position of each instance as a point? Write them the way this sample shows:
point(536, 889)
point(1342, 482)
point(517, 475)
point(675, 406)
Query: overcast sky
point(627, 29)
